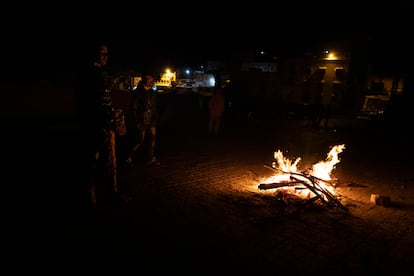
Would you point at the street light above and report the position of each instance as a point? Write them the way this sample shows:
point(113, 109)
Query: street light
point(329, 55)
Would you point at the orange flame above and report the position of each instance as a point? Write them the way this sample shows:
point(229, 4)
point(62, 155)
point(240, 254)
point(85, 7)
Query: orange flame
point(321, 170)
point(285, 164)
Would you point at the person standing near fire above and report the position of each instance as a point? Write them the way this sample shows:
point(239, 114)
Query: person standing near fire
point(99, 129)
point(144, 118)
point(216, 105)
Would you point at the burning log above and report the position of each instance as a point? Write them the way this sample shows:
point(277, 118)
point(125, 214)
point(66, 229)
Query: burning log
point(275, 185)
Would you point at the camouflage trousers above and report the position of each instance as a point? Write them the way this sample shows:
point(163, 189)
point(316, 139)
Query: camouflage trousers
point(103, 182)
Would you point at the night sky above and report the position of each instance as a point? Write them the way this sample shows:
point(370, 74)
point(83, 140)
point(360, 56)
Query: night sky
point(149, 37)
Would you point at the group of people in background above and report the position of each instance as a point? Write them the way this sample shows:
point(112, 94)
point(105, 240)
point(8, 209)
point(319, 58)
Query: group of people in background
point(101, 126)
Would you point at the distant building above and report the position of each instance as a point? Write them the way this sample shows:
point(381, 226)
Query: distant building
point(298, 81)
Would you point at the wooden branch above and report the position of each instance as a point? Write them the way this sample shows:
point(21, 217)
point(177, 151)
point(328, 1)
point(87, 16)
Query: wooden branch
point(311, 183)
point(275, 185)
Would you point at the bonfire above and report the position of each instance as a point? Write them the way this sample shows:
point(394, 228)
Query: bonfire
point(316, 184)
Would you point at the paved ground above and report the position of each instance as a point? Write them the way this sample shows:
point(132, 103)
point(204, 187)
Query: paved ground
point(201, 210)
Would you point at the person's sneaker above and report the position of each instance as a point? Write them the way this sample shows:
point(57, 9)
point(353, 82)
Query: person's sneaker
point(154, 162)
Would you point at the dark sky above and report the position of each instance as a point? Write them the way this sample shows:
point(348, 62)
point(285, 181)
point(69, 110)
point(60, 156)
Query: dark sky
point(144, 36)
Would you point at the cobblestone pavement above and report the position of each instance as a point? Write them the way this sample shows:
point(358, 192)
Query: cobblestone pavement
point(201, 210)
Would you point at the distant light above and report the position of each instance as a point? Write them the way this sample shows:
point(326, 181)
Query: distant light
point(187, 71)
point(212, 81)
point(330, 56)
